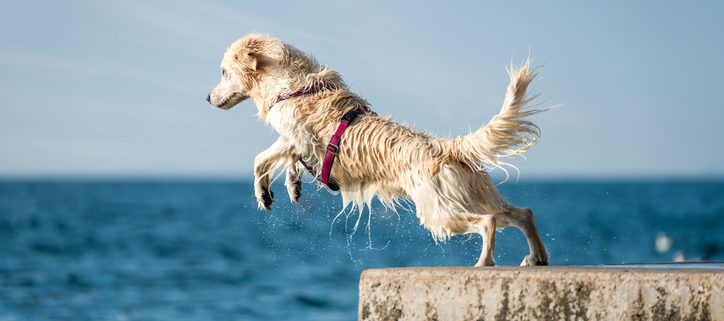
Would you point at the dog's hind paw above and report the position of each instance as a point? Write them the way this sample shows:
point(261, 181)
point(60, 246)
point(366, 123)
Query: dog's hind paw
point(530, 261)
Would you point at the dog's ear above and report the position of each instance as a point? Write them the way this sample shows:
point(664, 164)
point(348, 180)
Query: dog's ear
point(248, 60)
point(249, 64)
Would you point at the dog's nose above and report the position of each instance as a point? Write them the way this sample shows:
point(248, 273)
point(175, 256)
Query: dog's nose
point(208, 97)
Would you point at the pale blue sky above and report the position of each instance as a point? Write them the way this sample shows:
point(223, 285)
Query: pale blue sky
point(118, 88)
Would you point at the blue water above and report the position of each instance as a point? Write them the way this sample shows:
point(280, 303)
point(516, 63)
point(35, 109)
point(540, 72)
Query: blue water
point(73, 250)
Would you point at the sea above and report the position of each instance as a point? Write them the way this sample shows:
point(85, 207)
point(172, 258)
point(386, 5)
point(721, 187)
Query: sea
point(94, 249)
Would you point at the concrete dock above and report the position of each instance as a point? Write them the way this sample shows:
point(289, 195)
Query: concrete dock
point(620, 292)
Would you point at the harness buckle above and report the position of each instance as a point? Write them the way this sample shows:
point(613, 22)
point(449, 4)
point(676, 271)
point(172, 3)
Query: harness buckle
point(332, 148)
point(350, 115)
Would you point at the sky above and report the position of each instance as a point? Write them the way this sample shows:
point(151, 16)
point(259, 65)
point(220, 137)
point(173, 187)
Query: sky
point(117, 89)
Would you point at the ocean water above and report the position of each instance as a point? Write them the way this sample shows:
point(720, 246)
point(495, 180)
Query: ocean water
point(104, 250)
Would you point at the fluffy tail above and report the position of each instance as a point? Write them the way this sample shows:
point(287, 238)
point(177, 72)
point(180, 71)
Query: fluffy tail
point(508, 133)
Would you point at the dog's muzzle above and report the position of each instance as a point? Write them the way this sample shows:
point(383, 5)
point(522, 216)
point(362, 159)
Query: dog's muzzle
point(230, 101)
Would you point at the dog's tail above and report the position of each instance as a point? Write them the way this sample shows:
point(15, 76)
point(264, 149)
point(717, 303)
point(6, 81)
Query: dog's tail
point(508, 133)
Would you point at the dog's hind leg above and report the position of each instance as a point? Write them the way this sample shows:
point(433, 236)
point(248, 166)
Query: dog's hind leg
point(522, 218)
point(486, 228)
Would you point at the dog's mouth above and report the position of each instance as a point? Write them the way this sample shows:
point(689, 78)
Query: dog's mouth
point(232, 100)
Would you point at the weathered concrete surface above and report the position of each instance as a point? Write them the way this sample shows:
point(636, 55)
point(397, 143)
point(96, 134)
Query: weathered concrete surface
point(541, 293)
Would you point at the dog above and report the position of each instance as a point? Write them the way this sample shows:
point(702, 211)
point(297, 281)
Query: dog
point(445, 178)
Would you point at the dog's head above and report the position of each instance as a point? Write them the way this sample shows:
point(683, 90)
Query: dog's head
point(260, 67)
point(243, 64)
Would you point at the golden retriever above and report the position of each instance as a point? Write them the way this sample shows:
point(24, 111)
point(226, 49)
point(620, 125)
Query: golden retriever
point(445, 178)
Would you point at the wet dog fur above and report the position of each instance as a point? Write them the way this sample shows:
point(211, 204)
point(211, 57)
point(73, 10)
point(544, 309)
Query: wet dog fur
point(445, 178)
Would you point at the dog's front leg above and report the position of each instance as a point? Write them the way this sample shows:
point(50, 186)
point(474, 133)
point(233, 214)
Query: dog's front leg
point(294, 181)
point(264, 166)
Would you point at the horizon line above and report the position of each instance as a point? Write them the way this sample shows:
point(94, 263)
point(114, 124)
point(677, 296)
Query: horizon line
point(210, 177)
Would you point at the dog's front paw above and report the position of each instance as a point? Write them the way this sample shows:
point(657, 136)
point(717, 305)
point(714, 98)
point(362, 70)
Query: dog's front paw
point(294, 189)
point(264, 197)
point(293, 183)
point(265, 200)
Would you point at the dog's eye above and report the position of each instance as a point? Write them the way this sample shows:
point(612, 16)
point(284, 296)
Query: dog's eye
point(223, 73)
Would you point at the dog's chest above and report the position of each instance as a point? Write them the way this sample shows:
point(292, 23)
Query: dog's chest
point(285, 122)
point(282, 120)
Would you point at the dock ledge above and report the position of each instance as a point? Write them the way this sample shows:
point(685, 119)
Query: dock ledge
point(693, 291)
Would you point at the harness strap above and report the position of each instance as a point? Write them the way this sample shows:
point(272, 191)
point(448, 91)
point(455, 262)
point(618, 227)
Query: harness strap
point(334, 142)
point(332, 149)
point(311, 90)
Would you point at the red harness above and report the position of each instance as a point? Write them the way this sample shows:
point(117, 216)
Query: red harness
point(311, 90)
point(334, 142)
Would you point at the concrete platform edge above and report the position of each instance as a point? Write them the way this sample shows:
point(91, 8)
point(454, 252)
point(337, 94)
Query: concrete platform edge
point(541, 293)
